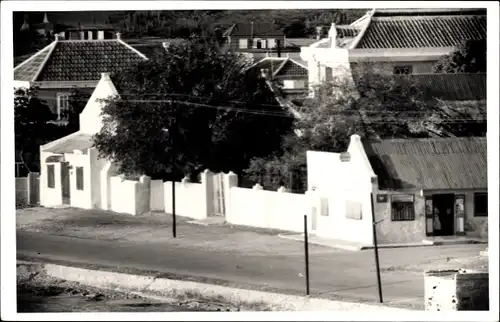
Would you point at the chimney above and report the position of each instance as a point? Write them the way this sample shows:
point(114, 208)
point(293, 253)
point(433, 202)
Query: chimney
point(332, 35)
point(26, 24)
point(56, 37)
point(118, 35)
point(251, 31)
point(105, 76)
point(45, 19)
point(355, 139)
point(319, 30)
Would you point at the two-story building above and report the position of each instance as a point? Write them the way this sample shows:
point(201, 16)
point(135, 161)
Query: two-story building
point(67, 64)
point(398, 41)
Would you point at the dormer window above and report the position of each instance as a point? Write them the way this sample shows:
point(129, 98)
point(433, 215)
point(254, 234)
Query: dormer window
point(403, 70)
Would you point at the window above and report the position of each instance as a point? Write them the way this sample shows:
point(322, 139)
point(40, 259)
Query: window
point(353, 210)
point(79, 178)
point(271, 43)
point(288, 83)
point(243, 43)
point(62, 105)
point(403, 70)
point(402, 208)
point(481, 205)
point(324, 207)
point(51, 181)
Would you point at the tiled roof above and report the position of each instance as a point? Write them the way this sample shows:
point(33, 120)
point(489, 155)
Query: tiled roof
point(290, 68)
point(281, 67)
point(346, 31)
point(257, 30)
point(445, 163)
point(81, 142)
point(32, 65)
point(270, 63)
point(83, 60)
point(420, 31)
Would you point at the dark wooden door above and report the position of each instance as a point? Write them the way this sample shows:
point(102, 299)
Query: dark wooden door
point(65, 183)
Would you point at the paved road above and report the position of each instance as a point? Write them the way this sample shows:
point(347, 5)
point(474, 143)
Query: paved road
point(340, 273)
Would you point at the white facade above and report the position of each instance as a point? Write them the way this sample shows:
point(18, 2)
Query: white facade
point(76, 177)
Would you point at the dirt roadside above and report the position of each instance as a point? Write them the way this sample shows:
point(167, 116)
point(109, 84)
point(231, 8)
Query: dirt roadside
point(37, 292)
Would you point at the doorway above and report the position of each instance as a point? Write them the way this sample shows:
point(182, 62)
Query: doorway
point(444, 213)
point(65, 183)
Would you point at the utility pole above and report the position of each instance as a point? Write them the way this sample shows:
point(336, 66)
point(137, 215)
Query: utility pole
point(171, 133)
point(306, 253)
point(172, 137)
point(375, 248)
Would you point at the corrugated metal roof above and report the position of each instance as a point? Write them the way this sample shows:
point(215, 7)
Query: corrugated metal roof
point(447, 163)
point(454, 87)
point(82, 142)
point(419, 31)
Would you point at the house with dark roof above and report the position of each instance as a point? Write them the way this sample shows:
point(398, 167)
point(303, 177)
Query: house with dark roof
point(67, 64)
point(289, 76)
point(398, 41)
point(83, 28)
point(254, 36)
point(420, 189)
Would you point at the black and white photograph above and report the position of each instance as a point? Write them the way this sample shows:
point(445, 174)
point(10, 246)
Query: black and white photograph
point(196, 160)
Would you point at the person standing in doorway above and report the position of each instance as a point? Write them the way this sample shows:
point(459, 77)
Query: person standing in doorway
point(437, 222)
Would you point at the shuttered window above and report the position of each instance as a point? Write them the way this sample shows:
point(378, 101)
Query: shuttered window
point(51, 180)
point(402, 208)
point(79, 178)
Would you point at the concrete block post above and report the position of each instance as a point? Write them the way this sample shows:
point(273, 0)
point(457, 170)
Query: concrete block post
point(456, 290)
point(230, 180)
point(143, 195)
point(207, 181)
point(33, 188)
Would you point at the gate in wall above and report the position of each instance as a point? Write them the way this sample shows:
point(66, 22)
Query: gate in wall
point(218, 195)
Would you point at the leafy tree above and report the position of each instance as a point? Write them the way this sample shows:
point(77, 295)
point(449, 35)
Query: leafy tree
point(470, 57)
point(30, 124)
point(372, 104)
point(77, 101)
point(191, 105)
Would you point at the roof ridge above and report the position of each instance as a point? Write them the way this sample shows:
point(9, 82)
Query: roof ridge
point(44, 63)
point(416, 17)
point(429, 139)
point(34, 55)
point(87, 40)
point(133, 49)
